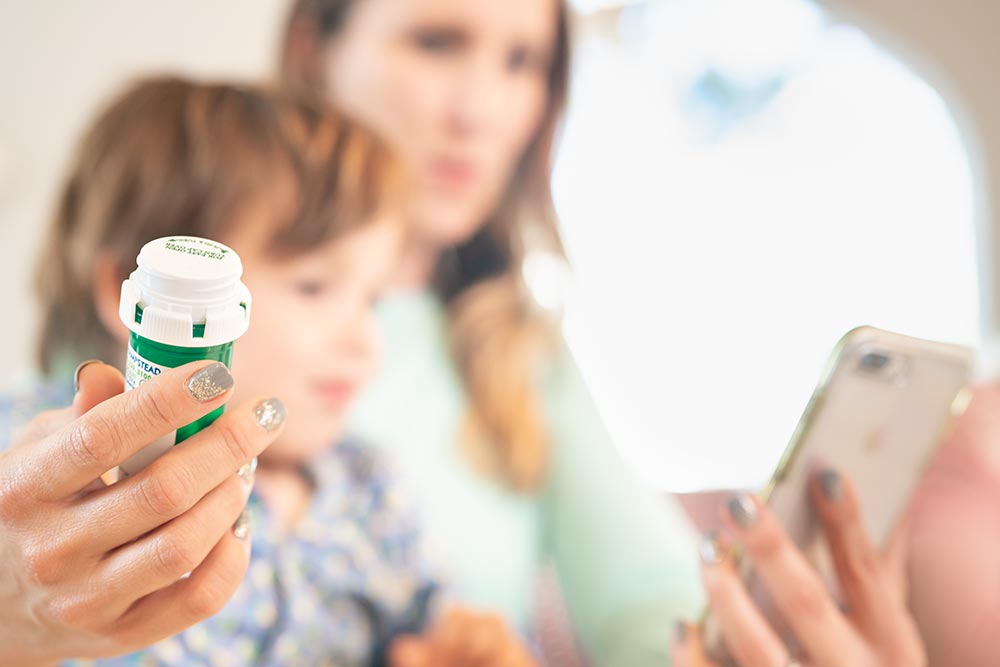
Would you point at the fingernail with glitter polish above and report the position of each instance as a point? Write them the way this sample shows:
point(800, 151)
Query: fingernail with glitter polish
point(247, 470)
point(211, 381)
point(829, 483)
point(710, 549)
point(79, 369)
point(743, 510)
point(270, 414)
point(242, 526)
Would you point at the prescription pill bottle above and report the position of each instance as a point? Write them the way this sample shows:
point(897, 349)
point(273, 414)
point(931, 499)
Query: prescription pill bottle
point(184, 302)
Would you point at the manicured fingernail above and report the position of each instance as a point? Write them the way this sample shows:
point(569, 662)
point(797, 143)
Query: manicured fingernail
point(680, 633)
point(76, 373)
point(710, 549)
point(270, 414)
point(829, 482)
point(210, 382)
point(743, 510)
point(248, 468)
point(242, 526)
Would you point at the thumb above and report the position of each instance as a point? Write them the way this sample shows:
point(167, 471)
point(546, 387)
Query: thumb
point(95, 382)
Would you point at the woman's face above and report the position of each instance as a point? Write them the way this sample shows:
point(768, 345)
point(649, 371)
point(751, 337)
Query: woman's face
point(457, 87)
point(312, 339)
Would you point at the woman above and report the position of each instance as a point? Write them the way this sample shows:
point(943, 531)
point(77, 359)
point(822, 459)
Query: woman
point(489, 416)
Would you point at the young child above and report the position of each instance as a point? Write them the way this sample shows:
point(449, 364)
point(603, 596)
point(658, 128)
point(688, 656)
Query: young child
point(307, 200)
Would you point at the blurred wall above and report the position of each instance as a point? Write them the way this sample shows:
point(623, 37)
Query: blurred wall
point(954, 46)
point(59, 61)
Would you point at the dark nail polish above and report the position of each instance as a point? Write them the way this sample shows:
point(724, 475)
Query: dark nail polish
point(710, 549)
point(829, 483)
point(743, 510)
point(210, 382)
point(76, 373)
point(270, 414)
point(680, 633)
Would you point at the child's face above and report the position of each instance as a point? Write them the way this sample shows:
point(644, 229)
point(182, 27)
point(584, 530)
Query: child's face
point(312, 337)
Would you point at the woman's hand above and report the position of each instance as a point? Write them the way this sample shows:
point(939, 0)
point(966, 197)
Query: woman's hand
point(462, 639)
point(875, 631)
point(91, 570)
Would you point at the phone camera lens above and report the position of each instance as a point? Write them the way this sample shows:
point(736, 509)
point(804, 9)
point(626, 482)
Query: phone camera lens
point(874, 361)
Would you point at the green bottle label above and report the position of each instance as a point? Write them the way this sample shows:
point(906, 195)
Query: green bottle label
point(145, 360)
point(138, 369)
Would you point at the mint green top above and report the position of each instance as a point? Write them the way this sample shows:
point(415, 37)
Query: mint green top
point(625, 559)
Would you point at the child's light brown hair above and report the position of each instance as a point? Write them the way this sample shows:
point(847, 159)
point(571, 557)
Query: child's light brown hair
point(171, 157)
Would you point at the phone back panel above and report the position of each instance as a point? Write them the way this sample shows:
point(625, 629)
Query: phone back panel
point(877, 417)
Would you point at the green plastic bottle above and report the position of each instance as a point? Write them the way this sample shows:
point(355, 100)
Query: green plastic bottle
point(184, 302)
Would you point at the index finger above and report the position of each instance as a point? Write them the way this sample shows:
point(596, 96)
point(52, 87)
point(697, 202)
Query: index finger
point(120, 426)
point(797, 591)
point(872, 600)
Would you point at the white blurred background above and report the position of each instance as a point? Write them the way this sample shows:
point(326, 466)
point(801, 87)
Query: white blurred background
point(61, 61)
point(740, 182)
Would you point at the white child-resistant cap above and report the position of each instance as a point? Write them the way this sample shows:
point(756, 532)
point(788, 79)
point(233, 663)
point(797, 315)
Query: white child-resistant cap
point(186, 292)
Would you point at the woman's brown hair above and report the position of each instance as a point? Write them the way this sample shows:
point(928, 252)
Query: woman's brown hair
point(171, 157)
point(497, 333)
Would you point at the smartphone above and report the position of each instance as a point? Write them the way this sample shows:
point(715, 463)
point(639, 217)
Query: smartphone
point(883, 404)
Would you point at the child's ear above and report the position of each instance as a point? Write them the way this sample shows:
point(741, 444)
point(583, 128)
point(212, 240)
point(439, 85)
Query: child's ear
point(108, 278)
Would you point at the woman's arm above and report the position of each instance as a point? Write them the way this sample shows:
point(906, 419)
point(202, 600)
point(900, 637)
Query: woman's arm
point(625, 558)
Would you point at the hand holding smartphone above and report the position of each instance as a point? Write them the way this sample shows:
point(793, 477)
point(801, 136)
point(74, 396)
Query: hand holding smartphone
point(879, 411)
